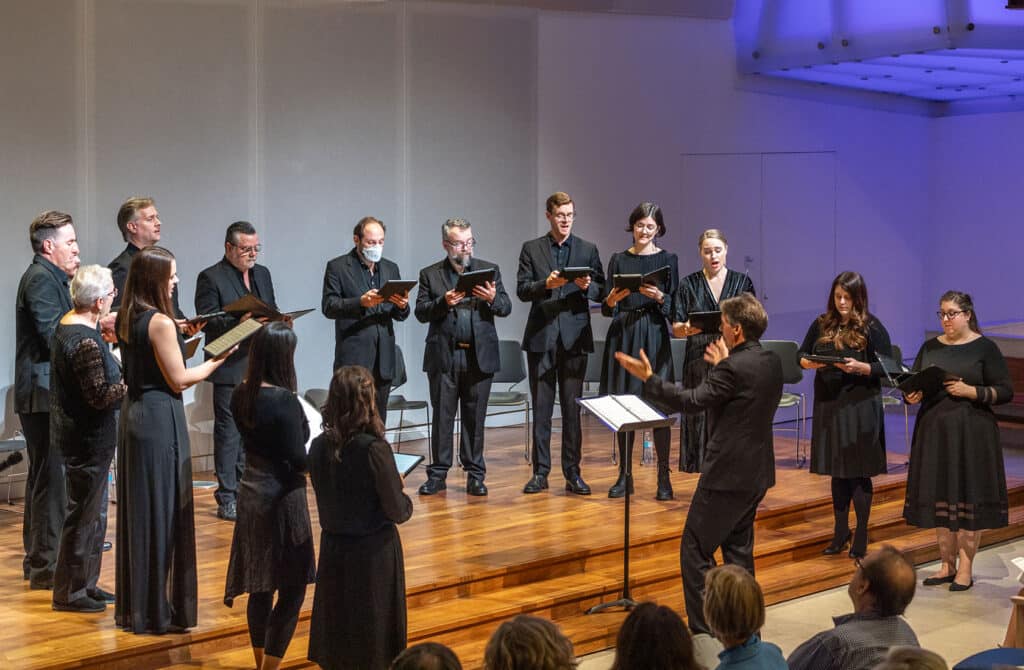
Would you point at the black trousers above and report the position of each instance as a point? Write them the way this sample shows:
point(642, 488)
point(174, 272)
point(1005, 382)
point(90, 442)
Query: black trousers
point(383, 389)
point(228, 456)
point(568, 373)
point(467, 391)
point(81, 540)
point(45, 499)
point(716, 519)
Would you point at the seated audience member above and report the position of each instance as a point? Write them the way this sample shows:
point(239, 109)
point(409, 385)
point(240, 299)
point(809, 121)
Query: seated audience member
point(529, 643)
point(1015, 627)
point(653, 636)
point(734, 609)
point(881, 588)
point(427, 656)
point(912, 658)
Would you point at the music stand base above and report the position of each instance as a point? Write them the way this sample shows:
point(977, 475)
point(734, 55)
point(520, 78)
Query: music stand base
point(624, 603)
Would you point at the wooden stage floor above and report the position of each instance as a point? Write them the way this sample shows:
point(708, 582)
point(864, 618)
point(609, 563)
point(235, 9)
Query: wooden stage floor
point(455, 546)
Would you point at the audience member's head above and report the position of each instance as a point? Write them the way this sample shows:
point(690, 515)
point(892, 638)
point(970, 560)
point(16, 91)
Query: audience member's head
point(653, 636)
point(529, 643)
point(912, 658)
point(427, 656)
point(883, 583)
point(733, 604)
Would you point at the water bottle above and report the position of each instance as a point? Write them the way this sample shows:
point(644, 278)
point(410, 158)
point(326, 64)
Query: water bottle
point(648, 456)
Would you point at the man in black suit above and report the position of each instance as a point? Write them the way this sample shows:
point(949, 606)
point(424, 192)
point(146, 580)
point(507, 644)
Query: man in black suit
point(234, 276)
point(139, 223)
point(44, 296)
point(364, 331)
point(461, 355)
point(740, 395)
point(558, 336)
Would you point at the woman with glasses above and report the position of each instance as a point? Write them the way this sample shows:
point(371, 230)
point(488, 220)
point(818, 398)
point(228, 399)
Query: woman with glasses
point(85, 389)
point(702, 291)
point(956, 482)
point(640, 320)
point(848, 432)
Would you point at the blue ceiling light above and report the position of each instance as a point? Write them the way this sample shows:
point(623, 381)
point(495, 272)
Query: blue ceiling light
point(946, 52)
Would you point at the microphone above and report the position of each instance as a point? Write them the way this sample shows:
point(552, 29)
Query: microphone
point(11, 461)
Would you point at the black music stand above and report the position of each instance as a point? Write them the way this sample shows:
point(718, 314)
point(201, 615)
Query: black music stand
point(624, 414)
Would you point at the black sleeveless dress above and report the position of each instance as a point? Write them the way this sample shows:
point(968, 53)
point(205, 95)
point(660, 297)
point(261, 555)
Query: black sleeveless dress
point(156, 585)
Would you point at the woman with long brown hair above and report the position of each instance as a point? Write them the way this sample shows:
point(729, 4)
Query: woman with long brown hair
point(957, 482)
point(156, 584)
point(848, 432)
point(359, 614)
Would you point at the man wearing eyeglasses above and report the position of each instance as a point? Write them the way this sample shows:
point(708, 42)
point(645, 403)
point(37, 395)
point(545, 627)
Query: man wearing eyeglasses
point(461, 355)
point(364, 330)
point(236, 275)
point(558, 336)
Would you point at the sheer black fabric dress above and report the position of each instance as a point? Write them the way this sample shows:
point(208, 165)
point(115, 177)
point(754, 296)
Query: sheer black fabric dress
point(359, 613)
point(695, 296)
point(956, 478)
point(639, 322)
point(272, 545)
point(156, 587)
point(85, 389)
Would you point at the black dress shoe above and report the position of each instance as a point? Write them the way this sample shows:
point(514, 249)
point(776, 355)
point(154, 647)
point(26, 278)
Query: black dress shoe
point(432, 485)
point(576, 485)
point(107, 546)
point(618, 489)
point(475, 487)
point(85, 604)
point(837, 545)
point(536, 484)
point(955, 588)
point(228, 511)
point(100, 595)
point(664, 485)
point(41, 584)
point(937, 581)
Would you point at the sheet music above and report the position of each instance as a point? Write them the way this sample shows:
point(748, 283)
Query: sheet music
point(233, 337)
point(609, 410)
point(314, 418)
point(638, 408)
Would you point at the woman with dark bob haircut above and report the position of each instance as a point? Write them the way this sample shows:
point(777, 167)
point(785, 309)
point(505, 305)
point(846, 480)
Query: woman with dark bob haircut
point(848, 432)
point(654, 637)
point(359, 614)
point(156, 582)
point(529, 643)
point(957, 482)
point(272, 547)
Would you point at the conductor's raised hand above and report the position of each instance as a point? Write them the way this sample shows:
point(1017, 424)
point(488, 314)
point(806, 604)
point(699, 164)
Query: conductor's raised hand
point(454, 297)
point(399, 300)
point(555, 280)
point(716, 352)
point(485, 292)
point(638, 367)
point(371, 298)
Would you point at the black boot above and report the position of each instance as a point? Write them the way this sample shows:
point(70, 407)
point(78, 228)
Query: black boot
point(664, 483)
point(618, 489)
point(860, 542)
point(841, 494)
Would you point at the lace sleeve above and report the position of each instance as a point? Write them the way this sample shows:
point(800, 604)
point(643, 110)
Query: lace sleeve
point(87, 363)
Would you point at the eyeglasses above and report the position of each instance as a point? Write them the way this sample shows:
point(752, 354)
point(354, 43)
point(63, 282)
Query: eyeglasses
point(254, 249)
point(948, 316)
point(564, 217)
point(464, 245)
point(113, 293)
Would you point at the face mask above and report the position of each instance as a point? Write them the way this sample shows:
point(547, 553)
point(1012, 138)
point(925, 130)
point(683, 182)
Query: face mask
point(373, 254)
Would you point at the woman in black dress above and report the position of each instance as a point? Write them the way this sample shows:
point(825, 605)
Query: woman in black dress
point(848, 432)
point(640, 320)
point(359, 616)
point(156, 543)
point(701, 292)
point(85, 388)
point(272, 547)
point(956, 483)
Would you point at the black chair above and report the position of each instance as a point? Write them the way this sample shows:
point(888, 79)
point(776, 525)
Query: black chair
point(512, 372)
point(7, 450)
point(894, 396)
point(400, 404)
point(792, 373)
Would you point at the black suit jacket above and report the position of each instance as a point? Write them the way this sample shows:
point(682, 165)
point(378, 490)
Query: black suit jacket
point(220, 285)
point(360, 333)
point(432, 308)
point(564, 310)
point(43, 298)
point(119, 268)
point(740, 395)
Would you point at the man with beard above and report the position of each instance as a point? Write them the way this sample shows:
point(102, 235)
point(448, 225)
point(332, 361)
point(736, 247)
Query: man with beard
point(461, 355)
point(234, 276)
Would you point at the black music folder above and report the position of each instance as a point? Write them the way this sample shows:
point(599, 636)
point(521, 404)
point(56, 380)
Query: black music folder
point(821, 358)
point(574, 273)
point(709, 323)
point(396, 286)
point(633, 282)
point(467, 280)
point(930, 380)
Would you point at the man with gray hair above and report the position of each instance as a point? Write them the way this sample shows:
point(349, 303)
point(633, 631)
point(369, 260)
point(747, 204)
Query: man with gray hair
point(43, 298)
point(461, 355)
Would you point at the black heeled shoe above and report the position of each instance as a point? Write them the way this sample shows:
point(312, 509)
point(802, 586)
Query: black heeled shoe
point(664, 491)
point(837, 545)
point(956, 587)
point(937, 581)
